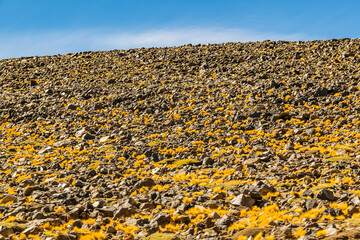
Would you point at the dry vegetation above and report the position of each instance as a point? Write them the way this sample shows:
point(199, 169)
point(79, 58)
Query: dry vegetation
point(220, 141)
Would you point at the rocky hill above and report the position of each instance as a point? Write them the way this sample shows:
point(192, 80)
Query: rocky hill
point(222, 141)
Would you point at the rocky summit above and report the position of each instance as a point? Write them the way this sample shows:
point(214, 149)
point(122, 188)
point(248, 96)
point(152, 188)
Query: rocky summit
point(256, 140)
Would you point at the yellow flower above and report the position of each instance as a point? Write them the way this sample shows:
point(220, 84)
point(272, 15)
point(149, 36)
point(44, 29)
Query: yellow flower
point(139, 163)
point(242, 238)
point(300, 232)
point(187, 200)
point(258, 236)
point(271, 237)
point(321, 233)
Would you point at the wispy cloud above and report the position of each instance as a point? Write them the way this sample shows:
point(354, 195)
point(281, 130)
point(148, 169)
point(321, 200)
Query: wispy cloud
point(60, 42)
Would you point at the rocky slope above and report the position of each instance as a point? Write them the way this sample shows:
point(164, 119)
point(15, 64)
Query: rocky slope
point(222, 141)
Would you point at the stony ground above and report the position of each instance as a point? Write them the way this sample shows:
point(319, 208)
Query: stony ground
point(255, 140)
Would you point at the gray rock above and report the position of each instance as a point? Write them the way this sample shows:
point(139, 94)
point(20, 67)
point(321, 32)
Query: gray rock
point(310, 203)
point(356, 200)
point(79, 183)
point(146, 206)
point(333, 211)
point(161, 218)
point(64, 143)
point(98, 204)
point(125, 210)
point(331, 230)
point(52, 221)
point(71, 107)
point(29, 190)
point(48, 149)
point(211, 204)
point(219, 196)
point(82, 132)
point(353, 209)
point(145, 182)
point(132, 221)
point(184, 219)
point(62, 236)
point(224, 221)
point(289, 146)
point(208, 161)
point(75, 213)
point(6, 231)
point(243, 200)
point(214, 215)
point(77, 223)
point(308, 193)
point(8, 198)
point(111, 230)
point(142, 234)
point(325, 194)
point(151, 228)
point(87, 136)
point(26, 182)
point(33, 230)
point(39, 215)
point(104, 139)
point(108, 211)
point(98, 106)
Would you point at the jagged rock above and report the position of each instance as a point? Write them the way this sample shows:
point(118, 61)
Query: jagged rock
point(124, 210)
point(161, 219)
point(146, 182)
point(310, 203)
point(243, 200)
point(325, 194)
point(8, 198)
point(6, 231)
point(33, 230)
point(29, 190)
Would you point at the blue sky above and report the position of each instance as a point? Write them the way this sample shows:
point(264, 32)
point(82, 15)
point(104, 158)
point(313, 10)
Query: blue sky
point(48, 27)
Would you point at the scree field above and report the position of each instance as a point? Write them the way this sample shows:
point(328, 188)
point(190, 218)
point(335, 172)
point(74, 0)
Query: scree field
point(256, 140)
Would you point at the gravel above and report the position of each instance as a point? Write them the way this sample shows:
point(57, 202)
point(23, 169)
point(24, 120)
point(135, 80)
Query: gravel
point(209, 141)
